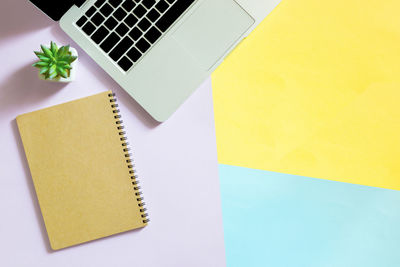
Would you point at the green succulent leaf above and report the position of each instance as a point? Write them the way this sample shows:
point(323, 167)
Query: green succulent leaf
point(54, 62)
point(44, 58)
point(53, 75)
point(39, 53)
point(52, 69)
point(44, 70)
point(47, 51)
point(67, 58)
point(62, 62)
point(73, 58)
point(63, 51)
point(54, 48)
point(67, 67)
point(62, 72)
point(40, 64)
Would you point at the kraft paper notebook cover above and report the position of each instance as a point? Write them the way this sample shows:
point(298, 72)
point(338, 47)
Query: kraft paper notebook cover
point(82, 171)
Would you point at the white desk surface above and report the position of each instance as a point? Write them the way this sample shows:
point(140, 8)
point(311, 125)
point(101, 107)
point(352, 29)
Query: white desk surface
point(176, 161)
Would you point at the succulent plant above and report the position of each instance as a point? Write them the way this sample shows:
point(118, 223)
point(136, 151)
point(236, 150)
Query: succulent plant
point(54, 62)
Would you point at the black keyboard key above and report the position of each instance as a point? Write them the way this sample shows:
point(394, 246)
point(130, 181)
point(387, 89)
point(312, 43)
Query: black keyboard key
point(162, 6)
point(119, 14)
point(134, 54)
point(97, 19)
point(111, 23)
point(90, 12)
point(130, 20)
point(128, 5)
point(115, 3)
point(81, 21)
point(89, 28)
point(139, 11)
point(144, 24)
point(109, 43)
point(143, 45)
point(106, 10)
point(148, 3)
point(122, 29)
point(79, 3)
point(173, 14)
point(121, 48)
point(100, 34)
point(135, 33)
point(99, 3)
point(125, 63)
point(153, 15)
point(152, 35)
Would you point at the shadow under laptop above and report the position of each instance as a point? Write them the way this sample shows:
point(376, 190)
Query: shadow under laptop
point(20, 16)
point(134, 107)
point(30, 185)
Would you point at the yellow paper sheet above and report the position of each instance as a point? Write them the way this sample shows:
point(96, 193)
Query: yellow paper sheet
point(315, 91)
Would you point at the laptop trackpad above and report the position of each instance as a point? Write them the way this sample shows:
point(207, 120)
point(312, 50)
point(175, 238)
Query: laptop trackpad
point(212, 29)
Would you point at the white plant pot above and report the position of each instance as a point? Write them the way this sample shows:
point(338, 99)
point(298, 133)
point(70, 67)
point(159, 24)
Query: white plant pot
point(72, 72)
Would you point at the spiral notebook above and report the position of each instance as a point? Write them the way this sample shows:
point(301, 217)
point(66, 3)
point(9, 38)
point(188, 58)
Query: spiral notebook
point(82, 170)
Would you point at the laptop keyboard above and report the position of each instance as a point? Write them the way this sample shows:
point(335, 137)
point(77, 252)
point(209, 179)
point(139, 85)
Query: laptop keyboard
point(127, 29)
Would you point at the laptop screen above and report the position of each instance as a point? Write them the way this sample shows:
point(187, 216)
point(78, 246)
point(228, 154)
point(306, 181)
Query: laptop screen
point(55, 9)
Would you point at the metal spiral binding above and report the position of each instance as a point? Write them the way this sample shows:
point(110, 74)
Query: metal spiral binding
point(128, 156)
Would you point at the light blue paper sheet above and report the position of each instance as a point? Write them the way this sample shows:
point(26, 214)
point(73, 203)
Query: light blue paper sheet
point(273, 219)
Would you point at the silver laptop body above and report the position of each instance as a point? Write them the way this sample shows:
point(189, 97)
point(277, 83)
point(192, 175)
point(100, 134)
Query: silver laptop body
point(178, 45)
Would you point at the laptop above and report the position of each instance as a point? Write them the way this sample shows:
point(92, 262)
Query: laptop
point(159, 51)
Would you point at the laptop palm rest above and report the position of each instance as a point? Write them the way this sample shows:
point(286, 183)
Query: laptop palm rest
point(211, 30)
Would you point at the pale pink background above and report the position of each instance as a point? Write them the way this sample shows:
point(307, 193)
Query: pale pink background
point(176, 161)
